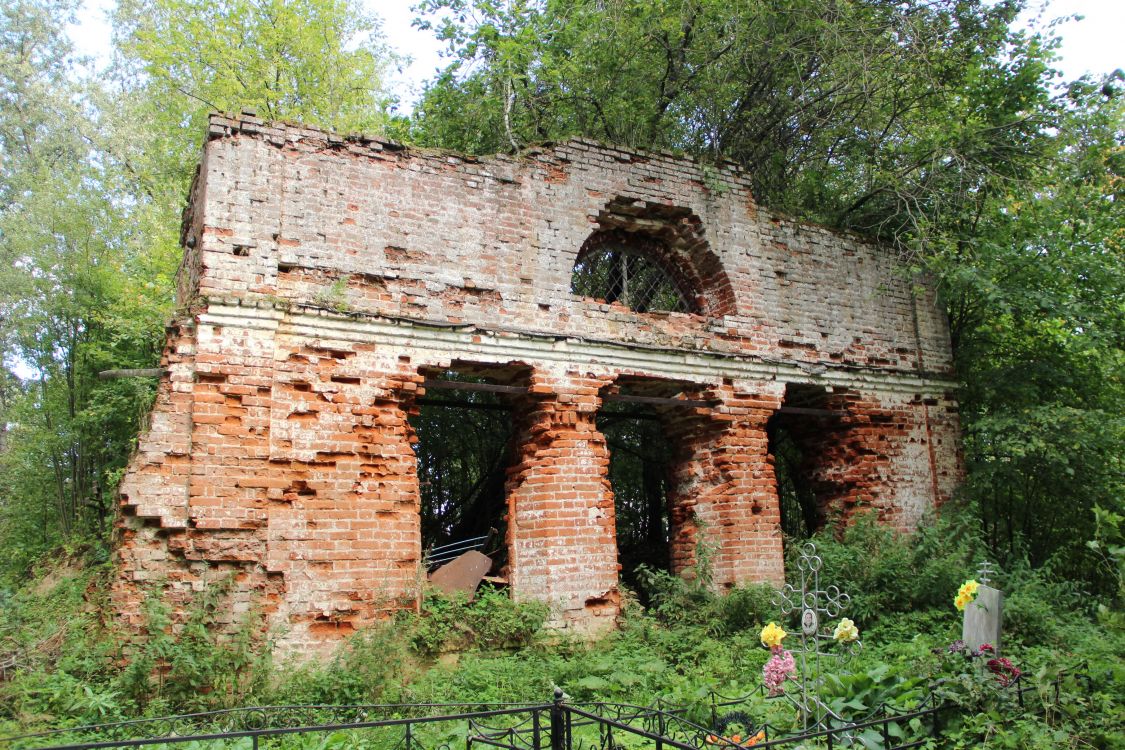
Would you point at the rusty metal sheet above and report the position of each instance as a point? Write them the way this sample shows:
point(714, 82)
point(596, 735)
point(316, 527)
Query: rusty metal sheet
point(463, 573)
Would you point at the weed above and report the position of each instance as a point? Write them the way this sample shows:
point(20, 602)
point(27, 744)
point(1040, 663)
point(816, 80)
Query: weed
point(688, 643)
point(490, 621)
point(200, 663)
point(335, 296)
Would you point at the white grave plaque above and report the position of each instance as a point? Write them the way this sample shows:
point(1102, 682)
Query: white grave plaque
point(983, 618)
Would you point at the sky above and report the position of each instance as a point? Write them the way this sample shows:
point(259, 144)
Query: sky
point(1092, 45)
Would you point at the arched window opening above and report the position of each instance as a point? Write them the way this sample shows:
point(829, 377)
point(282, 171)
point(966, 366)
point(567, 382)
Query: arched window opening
point(623, 269)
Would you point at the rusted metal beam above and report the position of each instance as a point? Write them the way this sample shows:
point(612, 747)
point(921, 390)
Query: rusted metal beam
point(617, 416)
point(144, 372)
point(461, 404)
point(809, 412)
point(457, 385)
point(656, 400)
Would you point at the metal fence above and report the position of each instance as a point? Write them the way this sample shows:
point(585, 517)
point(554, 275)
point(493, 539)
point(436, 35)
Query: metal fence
point(555, 725)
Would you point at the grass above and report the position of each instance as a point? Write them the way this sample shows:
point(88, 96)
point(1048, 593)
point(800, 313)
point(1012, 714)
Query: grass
point(75, 668)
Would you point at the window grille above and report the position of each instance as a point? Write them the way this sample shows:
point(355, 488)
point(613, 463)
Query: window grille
point(624, 272)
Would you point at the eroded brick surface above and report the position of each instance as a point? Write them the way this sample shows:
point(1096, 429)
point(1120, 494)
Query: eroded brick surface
point(323, 276)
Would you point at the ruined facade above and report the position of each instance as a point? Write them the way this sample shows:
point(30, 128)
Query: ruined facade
point(327, 279)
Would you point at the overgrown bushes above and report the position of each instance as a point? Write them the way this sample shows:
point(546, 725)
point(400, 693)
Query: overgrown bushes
point(676, 601)
point(687, 644)
point(197, 665)
point(885, 572)
point(490, 621)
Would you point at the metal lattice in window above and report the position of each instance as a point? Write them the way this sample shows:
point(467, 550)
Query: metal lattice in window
point(625, 272)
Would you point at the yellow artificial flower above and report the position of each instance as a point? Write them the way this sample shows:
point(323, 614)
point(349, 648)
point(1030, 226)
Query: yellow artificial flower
point(846, 632)
point(772, 635)
point(966, 594)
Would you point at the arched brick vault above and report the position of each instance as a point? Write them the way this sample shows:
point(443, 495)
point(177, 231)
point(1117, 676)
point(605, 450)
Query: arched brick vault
point(325, 278)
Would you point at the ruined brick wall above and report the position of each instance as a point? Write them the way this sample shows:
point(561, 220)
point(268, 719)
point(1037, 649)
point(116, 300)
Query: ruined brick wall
point(322, 276)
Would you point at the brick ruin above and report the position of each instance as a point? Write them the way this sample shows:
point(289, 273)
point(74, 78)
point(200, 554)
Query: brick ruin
point(326, 279)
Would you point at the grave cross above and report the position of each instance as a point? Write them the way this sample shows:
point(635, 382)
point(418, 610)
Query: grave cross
point(816, 605)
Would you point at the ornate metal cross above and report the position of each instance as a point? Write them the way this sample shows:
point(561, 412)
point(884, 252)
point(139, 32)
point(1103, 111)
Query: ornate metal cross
point(817, 608)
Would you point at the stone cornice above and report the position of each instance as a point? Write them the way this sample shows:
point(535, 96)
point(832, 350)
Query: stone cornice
point(439, 340)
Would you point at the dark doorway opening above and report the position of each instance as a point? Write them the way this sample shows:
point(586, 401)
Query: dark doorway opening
point(800, 516)
point(464, 447)
point(640, 461)
point(798, 435)
point(637, 418)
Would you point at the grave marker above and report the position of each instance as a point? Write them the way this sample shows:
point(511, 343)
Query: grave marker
point(984, 615)
point(818, 608)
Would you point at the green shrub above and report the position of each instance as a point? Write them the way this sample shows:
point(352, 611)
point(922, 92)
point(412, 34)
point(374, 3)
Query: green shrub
point(931, 627)
point(885, 571)
point(60, 647)
point(1031, 613)
point(198, 664)
point(490, 621)
point(377, 664)
point(674, 600)
point(670, 597)
point(370, 667)
point(744, 608)
point(688, 644)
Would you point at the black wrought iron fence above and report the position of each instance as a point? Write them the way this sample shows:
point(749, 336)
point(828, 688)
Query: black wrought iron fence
point(556, 725)
point(378, 727)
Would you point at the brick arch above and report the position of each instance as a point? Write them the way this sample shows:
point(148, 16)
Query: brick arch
point(674, 238)
point(686, 283)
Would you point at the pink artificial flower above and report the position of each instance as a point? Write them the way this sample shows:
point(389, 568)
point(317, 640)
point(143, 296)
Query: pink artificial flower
point(778, 669)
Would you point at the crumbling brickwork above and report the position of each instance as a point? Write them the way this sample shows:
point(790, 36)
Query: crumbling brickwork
point(325, 277)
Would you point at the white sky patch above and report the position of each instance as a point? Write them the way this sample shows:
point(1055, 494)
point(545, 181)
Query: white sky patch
point(1092, 45)
point(91, 33)
point(422, 49)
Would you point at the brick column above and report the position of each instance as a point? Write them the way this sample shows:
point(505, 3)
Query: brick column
point(156, 483)
point(725, 493)
point(342, 489)
point(561, 531)
point(153, 495)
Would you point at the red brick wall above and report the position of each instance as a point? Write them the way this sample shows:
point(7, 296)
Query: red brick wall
point(323, 275)
point(560, 507)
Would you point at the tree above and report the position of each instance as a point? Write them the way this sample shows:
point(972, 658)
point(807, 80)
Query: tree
point(92, 183)
point(35, 91)
point(1037, 302)
point(317, 61)
point(863, 114)
point(71, 297)
point(935, 126)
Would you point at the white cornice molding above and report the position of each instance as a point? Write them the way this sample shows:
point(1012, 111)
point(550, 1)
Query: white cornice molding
point(440, 341)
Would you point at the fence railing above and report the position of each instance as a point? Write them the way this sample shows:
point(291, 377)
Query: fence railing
point(555, 725)
point(438, 556)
